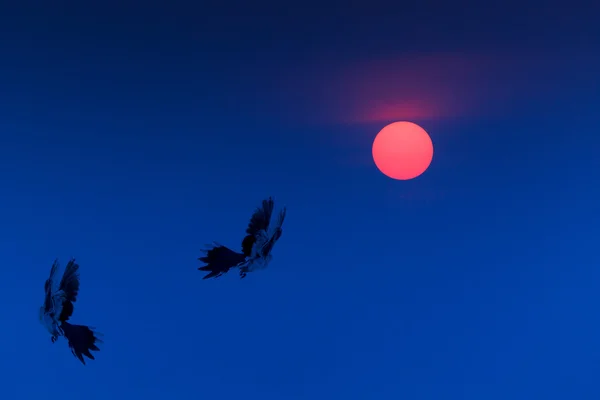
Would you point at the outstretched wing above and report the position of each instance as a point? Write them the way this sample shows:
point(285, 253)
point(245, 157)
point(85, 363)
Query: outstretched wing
point(279, 221)
point(49, 286)
point(275, 232)
point(259, 221)
point(82, 339)
point(68, 289)
point(219, 260)
point(261, 217)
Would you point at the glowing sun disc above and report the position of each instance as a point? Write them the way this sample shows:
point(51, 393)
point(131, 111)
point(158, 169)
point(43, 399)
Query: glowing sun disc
point(402, 150)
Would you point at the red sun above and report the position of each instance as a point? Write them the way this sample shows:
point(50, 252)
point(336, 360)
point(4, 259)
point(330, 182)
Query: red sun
point(402, 150)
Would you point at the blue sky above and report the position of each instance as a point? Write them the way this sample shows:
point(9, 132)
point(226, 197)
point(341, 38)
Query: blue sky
point(130, 139)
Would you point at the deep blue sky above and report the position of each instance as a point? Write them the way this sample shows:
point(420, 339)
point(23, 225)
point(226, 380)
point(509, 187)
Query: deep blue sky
point(131, 138)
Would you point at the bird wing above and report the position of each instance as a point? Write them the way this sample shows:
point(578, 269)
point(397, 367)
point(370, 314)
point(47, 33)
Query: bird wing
point(279, 221)
point(261, 217)
point(275, 232)
point(82, 339)
point(219, 259)
point(258, 222)
point(49, 287)
point(68, 289)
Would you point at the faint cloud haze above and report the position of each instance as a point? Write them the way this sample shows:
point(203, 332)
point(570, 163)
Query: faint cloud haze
point(432, 86)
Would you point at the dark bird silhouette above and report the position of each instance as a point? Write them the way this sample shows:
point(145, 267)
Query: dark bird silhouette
point(257, 245)
point(58, 308)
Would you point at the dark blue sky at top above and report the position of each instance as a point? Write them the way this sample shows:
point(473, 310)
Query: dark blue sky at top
point(132, 137)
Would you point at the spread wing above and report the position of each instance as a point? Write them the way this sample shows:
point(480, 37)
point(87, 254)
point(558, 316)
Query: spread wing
point(219, 260)
point(259, 222)
point(68, 289)
point(261, 217)
point(279, 221)
point(49, 286)
point(275, 232)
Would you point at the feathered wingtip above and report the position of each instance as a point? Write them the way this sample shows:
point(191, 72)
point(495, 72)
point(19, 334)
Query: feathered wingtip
point(82, 340)
point(212, 274)
point(207, 258)
point(212, 271)
point(261, 216)
point(267, 204)
point(219, 260)
point(282, 214)
point(51, 282)
point(206, 251)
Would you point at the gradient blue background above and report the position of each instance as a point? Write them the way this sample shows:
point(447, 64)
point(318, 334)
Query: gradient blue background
point(131, 138)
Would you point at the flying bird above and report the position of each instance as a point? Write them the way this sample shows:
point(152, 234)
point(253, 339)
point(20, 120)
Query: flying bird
point(257, 245)
point(58, 308)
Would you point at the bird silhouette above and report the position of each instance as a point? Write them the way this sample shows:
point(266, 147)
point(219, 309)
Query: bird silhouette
point(257, 245)
point(58, 308)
